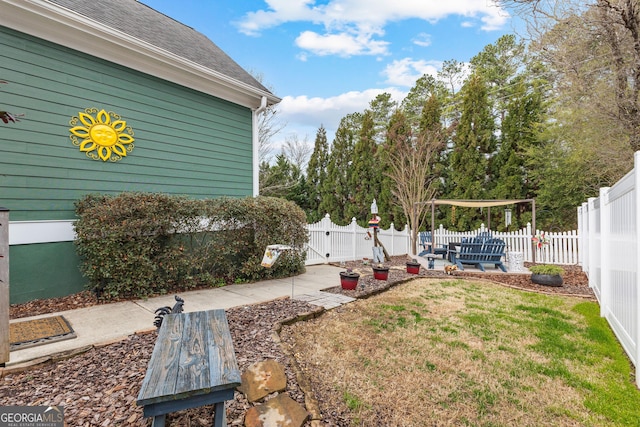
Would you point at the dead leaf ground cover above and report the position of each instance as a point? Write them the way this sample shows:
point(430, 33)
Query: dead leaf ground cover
point(457, 352)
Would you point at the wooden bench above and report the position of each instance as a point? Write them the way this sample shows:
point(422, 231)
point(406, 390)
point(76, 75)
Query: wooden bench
point(193, 364)
point(479, 251)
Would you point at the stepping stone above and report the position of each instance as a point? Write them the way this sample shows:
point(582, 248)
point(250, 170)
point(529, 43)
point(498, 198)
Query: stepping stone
point(281, 411)
point(261, 379)
point(328, 300)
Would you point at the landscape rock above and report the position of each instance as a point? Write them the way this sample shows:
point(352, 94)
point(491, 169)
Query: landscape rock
point(263, 378)
point(281, 411)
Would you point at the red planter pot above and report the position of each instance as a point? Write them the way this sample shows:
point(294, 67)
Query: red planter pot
point(381, 273)
point(349, 281)
point(413, 268)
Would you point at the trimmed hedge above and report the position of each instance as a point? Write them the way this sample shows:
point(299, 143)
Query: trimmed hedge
point(140, 244)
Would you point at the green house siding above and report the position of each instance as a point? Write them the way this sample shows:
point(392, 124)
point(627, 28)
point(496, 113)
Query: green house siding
point(44, 270)
point(186, 142)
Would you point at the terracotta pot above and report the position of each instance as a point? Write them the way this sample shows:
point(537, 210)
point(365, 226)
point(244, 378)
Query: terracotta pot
point(349, 281)
point(381, 273)
point(547, 279)
point(413, 267)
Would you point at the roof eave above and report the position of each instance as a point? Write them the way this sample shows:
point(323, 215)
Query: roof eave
point(51, 22)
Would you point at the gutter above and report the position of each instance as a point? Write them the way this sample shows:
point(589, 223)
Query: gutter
point(256, 145)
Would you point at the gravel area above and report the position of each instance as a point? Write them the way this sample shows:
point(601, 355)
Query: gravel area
point(99, 387)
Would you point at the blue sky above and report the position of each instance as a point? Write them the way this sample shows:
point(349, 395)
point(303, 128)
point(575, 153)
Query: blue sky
point(329, 58)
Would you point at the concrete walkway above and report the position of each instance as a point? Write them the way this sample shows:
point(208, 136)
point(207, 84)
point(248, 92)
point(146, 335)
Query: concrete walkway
point(107, 323)
point(103, 324)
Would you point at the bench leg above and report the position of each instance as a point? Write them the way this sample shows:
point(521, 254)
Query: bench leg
point(158, 421)
point(220, 416)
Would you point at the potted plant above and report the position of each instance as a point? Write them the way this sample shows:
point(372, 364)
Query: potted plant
point(546, 274)
point(349, 279)
point(413, 266)
point(380, 272)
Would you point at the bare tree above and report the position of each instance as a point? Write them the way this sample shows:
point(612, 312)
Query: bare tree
point(297, 151)
point(593, 50)
point(269, 125)
point(410, 168)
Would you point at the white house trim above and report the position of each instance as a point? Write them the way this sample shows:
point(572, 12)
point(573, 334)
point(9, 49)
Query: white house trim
point(30, 232)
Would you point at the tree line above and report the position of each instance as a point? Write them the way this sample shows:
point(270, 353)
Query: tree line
point(550, 118)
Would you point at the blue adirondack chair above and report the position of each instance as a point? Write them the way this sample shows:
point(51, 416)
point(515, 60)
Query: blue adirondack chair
point(427, 245)
point(479, 251)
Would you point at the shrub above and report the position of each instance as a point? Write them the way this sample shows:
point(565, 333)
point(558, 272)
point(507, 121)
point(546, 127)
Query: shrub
point(139, 244)
point(553, 270)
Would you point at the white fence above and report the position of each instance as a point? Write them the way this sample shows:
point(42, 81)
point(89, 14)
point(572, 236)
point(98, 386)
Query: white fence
point(329, 242)
point(609, 226)
point(561, 249)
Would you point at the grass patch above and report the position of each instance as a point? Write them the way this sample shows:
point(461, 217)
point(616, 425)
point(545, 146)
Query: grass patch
point(455, 352)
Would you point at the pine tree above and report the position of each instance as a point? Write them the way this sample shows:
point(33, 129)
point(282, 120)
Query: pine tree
point(317, 174)
point(336, 192)
point(364, 173)
point(474, 143)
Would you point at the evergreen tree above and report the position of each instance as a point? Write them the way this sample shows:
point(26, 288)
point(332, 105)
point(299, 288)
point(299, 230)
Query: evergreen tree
point(521, 131)
point(317, 174)
point(382, 108)
point(284, 180)
point(474, 142)
point(336, 192)
point(364, 173)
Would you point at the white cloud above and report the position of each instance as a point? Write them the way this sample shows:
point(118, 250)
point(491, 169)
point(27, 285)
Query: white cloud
point(356, 22)
point(405, 72)
point(304, 115)
point(340, 44)
point(422, 39)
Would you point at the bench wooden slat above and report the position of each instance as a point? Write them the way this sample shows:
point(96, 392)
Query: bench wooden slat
point(163, 366)
point(193, 368)
point(222, 361)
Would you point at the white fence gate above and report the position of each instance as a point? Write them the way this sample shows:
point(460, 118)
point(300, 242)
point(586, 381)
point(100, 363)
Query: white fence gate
point(611, 254)
point(329, 242)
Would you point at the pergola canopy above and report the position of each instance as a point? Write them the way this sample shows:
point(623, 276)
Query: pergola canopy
point(480, 204)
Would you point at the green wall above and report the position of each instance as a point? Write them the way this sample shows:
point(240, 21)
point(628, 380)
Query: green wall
point(43, 270)
point(186, 143)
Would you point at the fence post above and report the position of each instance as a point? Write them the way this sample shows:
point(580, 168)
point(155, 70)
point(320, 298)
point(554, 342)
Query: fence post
point(326, 241)
point(392, 231)
point(636, 184)
point(528, 246)
point(592, 239)
point(4, 286)
point(354, 232)
point(605, 252)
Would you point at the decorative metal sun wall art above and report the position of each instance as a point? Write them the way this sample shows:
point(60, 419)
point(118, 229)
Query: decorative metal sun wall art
point(101, 135)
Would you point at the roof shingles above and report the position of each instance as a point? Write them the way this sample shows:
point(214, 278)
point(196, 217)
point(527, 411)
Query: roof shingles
point(142, 22)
